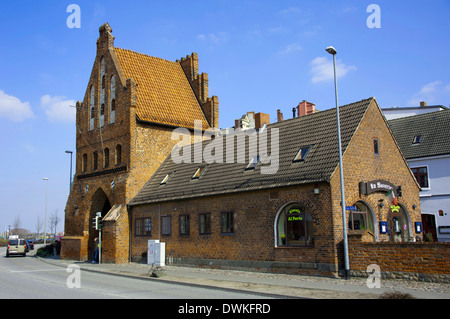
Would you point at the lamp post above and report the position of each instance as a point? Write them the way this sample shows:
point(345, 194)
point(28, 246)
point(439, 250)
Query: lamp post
point(333, 52)
point(45, 222)
point(70, 185)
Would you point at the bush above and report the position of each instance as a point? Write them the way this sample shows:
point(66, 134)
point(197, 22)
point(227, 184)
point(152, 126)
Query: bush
point(48, 250)
point(396, 295)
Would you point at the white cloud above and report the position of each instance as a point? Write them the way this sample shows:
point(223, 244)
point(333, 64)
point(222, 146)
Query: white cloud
point(214, 38)
point(11, 107)
point(434, 93)
point(290, 10)
point(58, 108)
point(322, 69)
point(291, 48)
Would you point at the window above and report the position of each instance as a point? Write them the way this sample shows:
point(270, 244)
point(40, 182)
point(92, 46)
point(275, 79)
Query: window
point(118, 154)
point(91, 109)
point(253, 163)
point(102, 115)
point(227, 223)
point(166, 225)
point(421, 174)
point(112, 97)
point(302, 154)
point(294, 227)
point(417, 139)
point(198, 172)
point(143, 227)
point(84, 163)
point(167, 178)
point(361, 219)
point(376, 147)
point(106, 157)
point(204, 222)
point(184, 225)
point(95, 160)
point(103, 81)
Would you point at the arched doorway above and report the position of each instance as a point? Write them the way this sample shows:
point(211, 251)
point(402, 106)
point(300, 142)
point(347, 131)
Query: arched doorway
point(99, 203)
point(399, 224)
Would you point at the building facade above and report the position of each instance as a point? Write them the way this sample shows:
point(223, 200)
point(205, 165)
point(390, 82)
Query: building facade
point(125, 122)
point(425, 142)
point(234, 212)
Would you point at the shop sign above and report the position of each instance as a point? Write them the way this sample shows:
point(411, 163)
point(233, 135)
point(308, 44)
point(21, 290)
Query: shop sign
point(294, 218)
point(376, 186)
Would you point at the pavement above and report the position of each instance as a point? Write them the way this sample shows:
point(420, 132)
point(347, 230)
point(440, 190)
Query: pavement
point(270, 284)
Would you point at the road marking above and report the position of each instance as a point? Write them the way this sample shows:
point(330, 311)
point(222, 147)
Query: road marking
point(37, 270)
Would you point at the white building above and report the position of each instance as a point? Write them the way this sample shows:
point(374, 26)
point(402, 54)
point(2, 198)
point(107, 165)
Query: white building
point(393, 113)
point(424, 140)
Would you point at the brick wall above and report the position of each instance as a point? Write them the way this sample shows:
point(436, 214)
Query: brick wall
point(420, 260)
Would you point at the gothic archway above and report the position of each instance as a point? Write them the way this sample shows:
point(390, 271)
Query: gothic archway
point(99, 203)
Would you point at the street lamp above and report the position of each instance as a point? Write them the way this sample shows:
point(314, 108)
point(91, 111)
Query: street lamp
point(45, 222)
point(333, 52)
point(70, 185)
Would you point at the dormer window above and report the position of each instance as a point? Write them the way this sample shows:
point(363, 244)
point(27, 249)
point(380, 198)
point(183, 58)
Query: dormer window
point(417, 139)
point(302, 154)
point(199, 172)
point(253, 163)
point(166, 178)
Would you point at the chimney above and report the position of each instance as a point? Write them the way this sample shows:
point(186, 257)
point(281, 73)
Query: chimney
point(305, 108)
point(261, 119)
point(423, 104)
point(279, 116)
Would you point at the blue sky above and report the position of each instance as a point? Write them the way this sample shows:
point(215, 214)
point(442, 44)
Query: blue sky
point(260, 56)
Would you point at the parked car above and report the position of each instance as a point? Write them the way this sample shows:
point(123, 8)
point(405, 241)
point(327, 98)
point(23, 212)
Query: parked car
point(30, 244)
point(16, 246)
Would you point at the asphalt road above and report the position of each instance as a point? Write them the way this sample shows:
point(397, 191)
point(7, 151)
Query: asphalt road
point(27, 277)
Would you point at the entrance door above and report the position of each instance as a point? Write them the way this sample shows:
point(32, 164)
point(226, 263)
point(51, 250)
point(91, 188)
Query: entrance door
point(398, 225)
point(100, 203)
point(429, 227)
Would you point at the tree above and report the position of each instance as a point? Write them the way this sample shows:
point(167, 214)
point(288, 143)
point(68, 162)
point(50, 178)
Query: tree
point(53, 222)
point(38, 225)
point(16, 225)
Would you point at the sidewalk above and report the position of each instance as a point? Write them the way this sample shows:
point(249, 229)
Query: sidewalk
point(267, 283)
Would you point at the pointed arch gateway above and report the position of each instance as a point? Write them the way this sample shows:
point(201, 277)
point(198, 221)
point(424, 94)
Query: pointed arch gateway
point(99, 203)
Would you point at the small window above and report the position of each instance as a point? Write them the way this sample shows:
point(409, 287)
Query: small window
point(184, 225)
point(376, 147)
point(198, 172)
point(253, 163)
point(227, 223)
point(103, 81)
point(204, 224)
point(167, 178)
point(118, 154)
point(166, 225)
point(302, 154)
point(106, 157)
point(143, 227)
point(84, 163)
point(417, 139)
point(95, 161)
point(421, 174)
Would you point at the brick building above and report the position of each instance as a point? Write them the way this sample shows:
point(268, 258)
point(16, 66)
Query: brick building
point(124, 124)
point(234, 212)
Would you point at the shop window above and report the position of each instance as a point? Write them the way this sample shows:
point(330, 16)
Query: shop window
point(166, 225)
point(204, 222)
point(302, 154)
point(143, 227)
point(360, 219)
point(294, 227)
point(227, 223)
point(421, 174)
point(184, 225)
